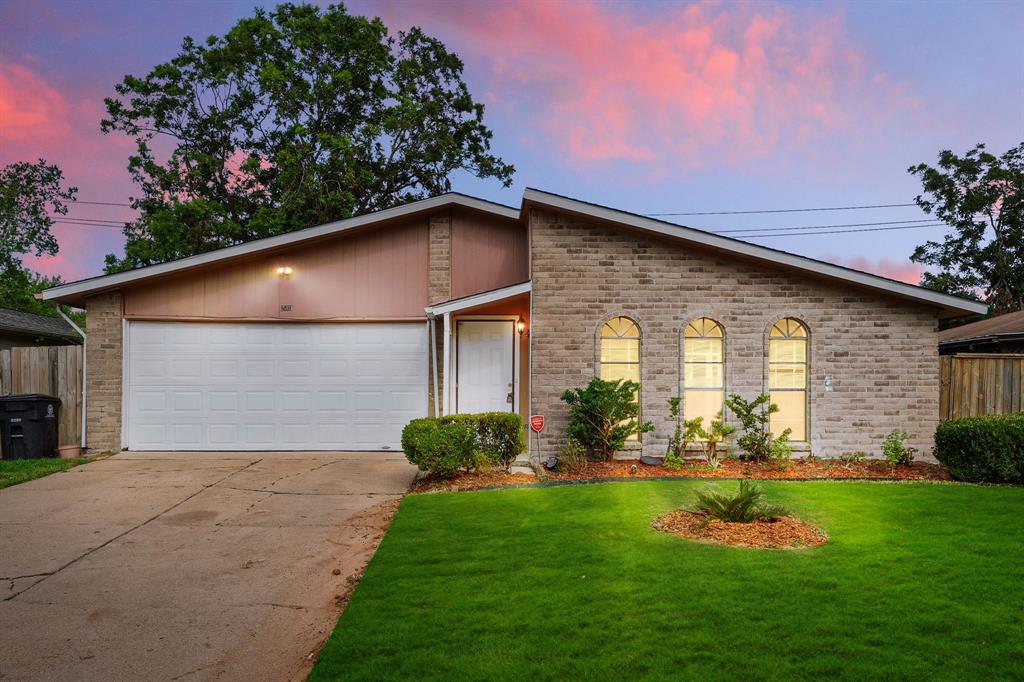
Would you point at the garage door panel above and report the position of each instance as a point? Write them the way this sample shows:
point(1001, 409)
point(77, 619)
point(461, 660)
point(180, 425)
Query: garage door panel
point(197, 386)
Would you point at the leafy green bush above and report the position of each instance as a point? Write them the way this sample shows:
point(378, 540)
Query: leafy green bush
point(603, 415)
point(572, 458)
point(851, 458)
point(500, 435)
point(440, 449)
point(757, 441)
point(989, 448)
point(895, 451)
point(713, 437)
point(745, 506)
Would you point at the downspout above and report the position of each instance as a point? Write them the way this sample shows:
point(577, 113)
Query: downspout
point(85, 367)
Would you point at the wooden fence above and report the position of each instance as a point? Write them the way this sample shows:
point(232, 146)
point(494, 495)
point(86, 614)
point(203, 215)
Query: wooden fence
point(975, 384)
point(53, 370)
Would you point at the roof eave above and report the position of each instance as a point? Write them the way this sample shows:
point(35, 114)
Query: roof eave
point(950, 306)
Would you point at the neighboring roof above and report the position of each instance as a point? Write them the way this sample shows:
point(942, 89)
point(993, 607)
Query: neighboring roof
point(30, 324)
point(1008, 326)
point(951, 306)
point(483, 298)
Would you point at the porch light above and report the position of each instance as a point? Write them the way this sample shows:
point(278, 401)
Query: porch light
point(284, 270)
point(520, 326)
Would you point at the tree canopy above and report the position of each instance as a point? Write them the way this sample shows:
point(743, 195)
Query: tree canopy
point(981, 197)
point(295, 117)
point(30, 195)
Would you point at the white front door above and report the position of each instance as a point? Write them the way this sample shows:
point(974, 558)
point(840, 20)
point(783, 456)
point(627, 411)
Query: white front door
point(486, 353)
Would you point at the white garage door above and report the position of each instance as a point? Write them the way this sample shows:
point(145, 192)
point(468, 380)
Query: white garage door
point(233, 386)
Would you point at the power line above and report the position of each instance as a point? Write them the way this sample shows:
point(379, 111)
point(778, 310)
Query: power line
point(785, 210)
point(100, 203)
point(815, 234)
point(847, 224)
point(88, 224)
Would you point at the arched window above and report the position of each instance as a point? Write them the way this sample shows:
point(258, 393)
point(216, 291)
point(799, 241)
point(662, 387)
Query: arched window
point(787, 377)
point(703, 370)
point(620, 350)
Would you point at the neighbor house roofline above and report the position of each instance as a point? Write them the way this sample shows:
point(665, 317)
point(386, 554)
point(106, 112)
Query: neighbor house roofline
point(952, 304)
point(75, 292)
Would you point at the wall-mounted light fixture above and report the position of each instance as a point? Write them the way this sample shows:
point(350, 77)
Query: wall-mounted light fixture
point(520, 326)
point(284, 270)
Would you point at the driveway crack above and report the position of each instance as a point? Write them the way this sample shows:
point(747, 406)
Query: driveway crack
point(130, 530)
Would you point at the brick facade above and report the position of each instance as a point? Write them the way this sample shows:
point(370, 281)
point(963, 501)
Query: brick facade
point(104, 372)
point(881, 352)
point(439, 288)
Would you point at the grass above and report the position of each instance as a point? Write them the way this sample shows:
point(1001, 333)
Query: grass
point(918, 581)
point(15, 471)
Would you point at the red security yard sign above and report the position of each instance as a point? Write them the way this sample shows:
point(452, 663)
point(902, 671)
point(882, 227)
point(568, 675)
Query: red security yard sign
point(537, 422)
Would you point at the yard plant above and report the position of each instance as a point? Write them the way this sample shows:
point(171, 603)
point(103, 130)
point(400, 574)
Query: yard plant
point(989, 448)
point(744, 506)
point(603, 415)
point(572, 582)
point(757, 441)
point(443, 446)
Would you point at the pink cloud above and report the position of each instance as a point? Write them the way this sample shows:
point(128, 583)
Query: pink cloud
point(39, 119)
point(681, 89)
point(903, 271)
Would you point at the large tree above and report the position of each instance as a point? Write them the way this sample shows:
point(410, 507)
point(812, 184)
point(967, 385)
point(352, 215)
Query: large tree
point(30, 195)
point(295, 117)
point(981, 197)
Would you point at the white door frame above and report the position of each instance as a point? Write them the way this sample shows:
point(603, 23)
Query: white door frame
point(515, 354)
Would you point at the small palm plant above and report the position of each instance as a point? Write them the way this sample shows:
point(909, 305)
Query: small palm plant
point(746, 506)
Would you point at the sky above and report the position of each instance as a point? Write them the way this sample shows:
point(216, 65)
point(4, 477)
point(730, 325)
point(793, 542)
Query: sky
point(648, 107)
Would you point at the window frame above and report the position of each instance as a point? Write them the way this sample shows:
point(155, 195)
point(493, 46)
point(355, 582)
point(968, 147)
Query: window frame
point(606, 324)
point(787, 335)
point(723, 389)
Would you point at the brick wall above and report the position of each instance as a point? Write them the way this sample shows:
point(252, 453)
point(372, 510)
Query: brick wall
point(104, 360)
point(439, 288)
point(880, 351)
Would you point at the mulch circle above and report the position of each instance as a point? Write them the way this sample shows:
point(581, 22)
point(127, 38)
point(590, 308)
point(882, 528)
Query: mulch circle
point(782, 532)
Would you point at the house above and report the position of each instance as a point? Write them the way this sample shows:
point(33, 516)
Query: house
point(1002, 334)
point(335, 336)
point(28, 329)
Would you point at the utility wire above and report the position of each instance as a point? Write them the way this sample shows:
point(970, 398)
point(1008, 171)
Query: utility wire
point(821, 227)
point(785, 210)
point(815, 234)
point(100, 203)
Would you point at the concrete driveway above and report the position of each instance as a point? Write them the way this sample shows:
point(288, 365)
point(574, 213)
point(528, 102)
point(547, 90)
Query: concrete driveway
point(186, 565)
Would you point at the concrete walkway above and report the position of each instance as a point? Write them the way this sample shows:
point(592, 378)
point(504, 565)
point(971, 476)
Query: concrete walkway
point(198, 566)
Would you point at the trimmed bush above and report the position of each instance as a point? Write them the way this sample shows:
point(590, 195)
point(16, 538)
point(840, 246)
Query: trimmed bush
point(499, 435)
point(983, 449)
point(443, 446)
point(440, 449)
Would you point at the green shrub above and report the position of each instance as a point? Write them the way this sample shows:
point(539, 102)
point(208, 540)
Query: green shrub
point(745, 506)
point(983, 449)
point(713, 437)
point(895, 451)
point(851, 458)
point(603, 415)
point(500, 435)
point(440, 449)
point(758, 442)
point(572, 458)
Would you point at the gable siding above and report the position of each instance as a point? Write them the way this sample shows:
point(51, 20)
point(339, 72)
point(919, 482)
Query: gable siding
point(487, 253)
point(880, 352)
point(379, 274)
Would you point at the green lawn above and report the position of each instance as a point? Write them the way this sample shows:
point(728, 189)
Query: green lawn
point(15, 471)
point(918, 581)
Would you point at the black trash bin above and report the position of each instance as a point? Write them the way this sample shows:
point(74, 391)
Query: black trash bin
point(28, 426)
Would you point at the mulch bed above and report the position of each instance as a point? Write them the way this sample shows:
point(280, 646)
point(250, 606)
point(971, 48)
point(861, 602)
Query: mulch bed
point(783, 532)
point(798, 469)
point(734, 468)
point(470, 481)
